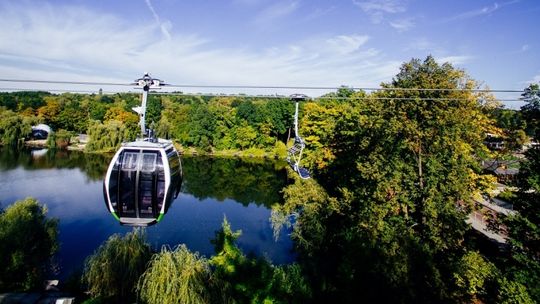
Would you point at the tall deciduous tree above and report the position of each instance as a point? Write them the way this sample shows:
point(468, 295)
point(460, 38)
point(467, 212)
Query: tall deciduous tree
point(524, 227)
point(531, 109)
point(112, 272)
point(400, 187)
point(29, 239)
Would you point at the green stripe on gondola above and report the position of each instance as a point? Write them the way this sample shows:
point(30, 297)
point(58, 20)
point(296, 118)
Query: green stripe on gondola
point(160, 217)
point(115, 216)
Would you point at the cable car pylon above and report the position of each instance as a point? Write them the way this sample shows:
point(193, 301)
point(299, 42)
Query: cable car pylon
point(294, 153)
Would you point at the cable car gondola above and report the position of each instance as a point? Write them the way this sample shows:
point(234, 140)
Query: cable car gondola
point(145, 175)
point(294, 154)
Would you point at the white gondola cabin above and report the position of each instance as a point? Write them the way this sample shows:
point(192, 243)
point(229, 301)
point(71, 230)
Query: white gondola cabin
point(145, 175)
point(141, 181)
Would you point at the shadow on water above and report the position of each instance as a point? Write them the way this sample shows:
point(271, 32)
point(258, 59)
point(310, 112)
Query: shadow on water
point(70, 184)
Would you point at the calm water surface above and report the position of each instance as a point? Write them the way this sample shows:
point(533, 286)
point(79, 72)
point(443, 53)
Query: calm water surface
point(70, 185)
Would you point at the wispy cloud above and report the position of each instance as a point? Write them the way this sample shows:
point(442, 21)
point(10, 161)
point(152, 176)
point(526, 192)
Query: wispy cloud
point(344, 44)
point(376, 9)
point(525, 48)
point(44, 43)
point(276, 11)
point(402, 25)
point(535, 79)
point(486, 10)
point(455, 60)
point(164, 26)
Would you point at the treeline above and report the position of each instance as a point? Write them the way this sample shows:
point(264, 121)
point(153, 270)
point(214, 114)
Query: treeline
point(218, 123)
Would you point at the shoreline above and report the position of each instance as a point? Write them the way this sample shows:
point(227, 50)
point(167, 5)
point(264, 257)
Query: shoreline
point(189, 151)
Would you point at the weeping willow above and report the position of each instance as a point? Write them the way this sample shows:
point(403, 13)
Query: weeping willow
point(108, 135)
point(14, 128)
point(177, 276)
point(113, 270)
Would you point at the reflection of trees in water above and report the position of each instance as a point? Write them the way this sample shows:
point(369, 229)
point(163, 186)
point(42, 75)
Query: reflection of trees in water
point(93, 165)
point(246, 181)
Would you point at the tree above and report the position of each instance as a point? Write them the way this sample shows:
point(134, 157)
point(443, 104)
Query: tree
point(178, 276)
point(524, 227)
point(113, 270)
point(107, 136)
point(14, 128)
point(29, 240)
point(531, 110)
point(390, 220)
point(252, 280)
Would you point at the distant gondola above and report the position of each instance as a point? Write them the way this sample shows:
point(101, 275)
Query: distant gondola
point(294, 153)
point(143, 176)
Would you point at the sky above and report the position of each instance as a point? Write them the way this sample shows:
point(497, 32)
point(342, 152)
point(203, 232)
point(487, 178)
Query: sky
point(358, 43)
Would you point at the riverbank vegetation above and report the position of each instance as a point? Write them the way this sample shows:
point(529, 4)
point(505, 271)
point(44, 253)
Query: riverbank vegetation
point(384, 220)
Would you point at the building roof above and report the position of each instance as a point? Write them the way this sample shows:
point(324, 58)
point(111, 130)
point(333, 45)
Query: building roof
point(42, 127)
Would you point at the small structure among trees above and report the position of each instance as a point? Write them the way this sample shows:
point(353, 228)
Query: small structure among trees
point(40, 131)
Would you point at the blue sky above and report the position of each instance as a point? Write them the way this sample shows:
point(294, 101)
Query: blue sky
point(267, 42)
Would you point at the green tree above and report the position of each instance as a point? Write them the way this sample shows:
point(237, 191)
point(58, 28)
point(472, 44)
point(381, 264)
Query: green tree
point(178, 276)
point(29, 240)
point(251, 280)
point(531, 109)
point(524, 227)
point(112, 272)
point(389, 221)
point(202, 125)
point(14, 128)
point(107, 136)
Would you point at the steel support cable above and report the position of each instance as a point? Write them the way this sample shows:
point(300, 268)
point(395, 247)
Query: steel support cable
point(249, 96)
point(265, 87)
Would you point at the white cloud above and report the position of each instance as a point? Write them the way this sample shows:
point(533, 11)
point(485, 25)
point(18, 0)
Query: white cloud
point(276, 11)
point(402, 25)
point(486, 10)
point(347, 44)
point(525, 47)
point(164, 26)
point(74, 44)
point(455, 60)
point(377, 8)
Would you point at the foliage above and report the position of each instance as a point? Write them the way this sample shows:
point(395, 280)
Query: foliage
point(177, 276)
point(115, 267)
point(250, 280)
point(507, 195)
point(512, 292)
point(524, 227)
point(397, 183)
point(59, 139)
point(29, 239)
point(531, 109)
point(472, 276)
point(14, 128)
point(107, 136)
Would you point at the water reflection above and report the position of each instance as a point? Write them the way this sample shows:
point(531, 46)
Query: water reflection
point(70, 184)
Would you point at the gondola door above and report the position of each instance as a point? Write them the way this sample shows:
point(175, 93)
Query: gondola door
point(127, 181)
point(138, 173)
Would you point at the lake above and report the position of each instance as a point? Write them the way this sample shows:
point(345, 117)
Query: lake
point(70, 184)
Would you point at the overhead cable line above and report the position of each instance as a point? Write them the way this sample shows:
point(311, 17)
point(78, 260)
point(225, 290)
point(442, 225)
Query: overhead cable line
point(266, 87)
point(249, 96)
